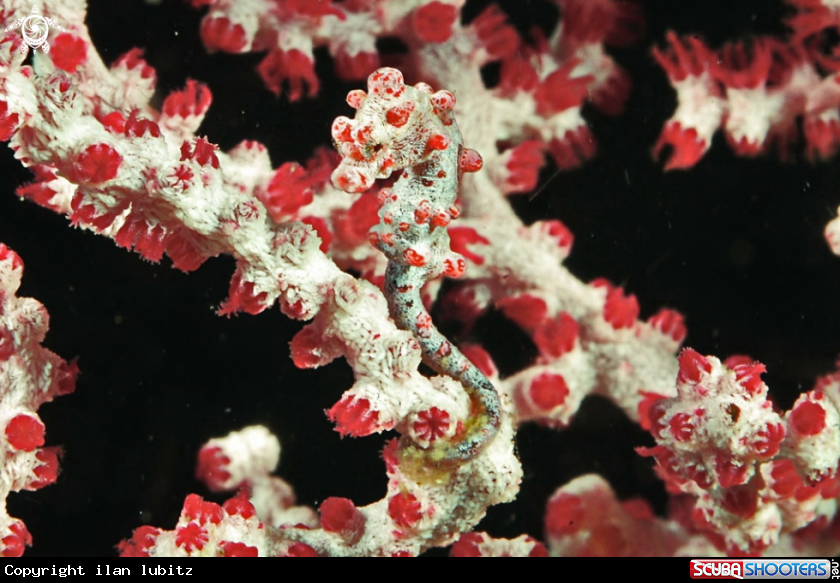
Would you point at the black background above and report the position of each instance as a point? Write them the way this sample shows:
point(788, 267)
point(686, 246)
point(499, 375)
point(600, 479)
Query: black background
point(734, 244)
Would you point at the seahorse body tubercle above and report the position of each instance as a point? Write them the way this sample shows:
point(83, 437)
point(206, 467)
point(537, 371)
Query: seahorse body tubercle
point(412, 131)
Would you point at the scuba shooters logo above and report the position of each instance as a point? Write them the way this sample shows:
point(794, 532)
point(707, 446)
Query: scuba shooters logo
point(763, 568)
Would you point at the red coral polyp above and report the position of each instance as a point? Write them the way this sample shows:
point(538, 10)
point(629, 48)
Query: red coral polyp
point(404, 509)
point(309, 348)
point(354, 417)
point(433, 22)
point(768, 441)
point(243, 297)
point(25, 432)
point(133, 59)
point(236, 549)
point(685, 57)
point(68, 52)
point(670, 323)
point(526, 310)
point(340, 515)
point(196, 508)
point(191, 537)
point(96, 164)
point(575, 147)
point(620, 310)
point(681, 426)
point(220, 34)
point(47, 472)
point(201, 151)
point(212, 468)
point(808, 418)
point(693, 366)
point(561, 91)
point(8, 122)
point(138, 127)
point(193, 100)
point(143, 539)
point(431, 424)
point(686, 147)
point(239, 505)
point(16, 541)
point(564, 515)
point(523, 166)
point(556, 337)
point(293, 68)
point(287, 192)
point(498, 38)
point(148, 240)
point(548, 391)
point(461, 238)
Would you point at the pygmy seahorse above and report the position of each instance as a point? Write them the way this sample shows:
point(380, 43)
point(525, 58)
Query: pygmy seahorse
point(412, 131)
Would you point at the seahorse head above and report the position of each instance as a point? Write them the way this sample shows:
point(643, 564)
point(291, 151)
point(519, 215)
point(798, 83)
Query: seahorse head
point(396, 126)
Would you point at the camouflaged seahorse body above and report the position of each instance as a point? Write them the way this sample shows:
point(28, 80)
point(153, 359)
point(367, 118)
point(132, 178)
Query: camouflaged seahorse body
point(412, 131)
